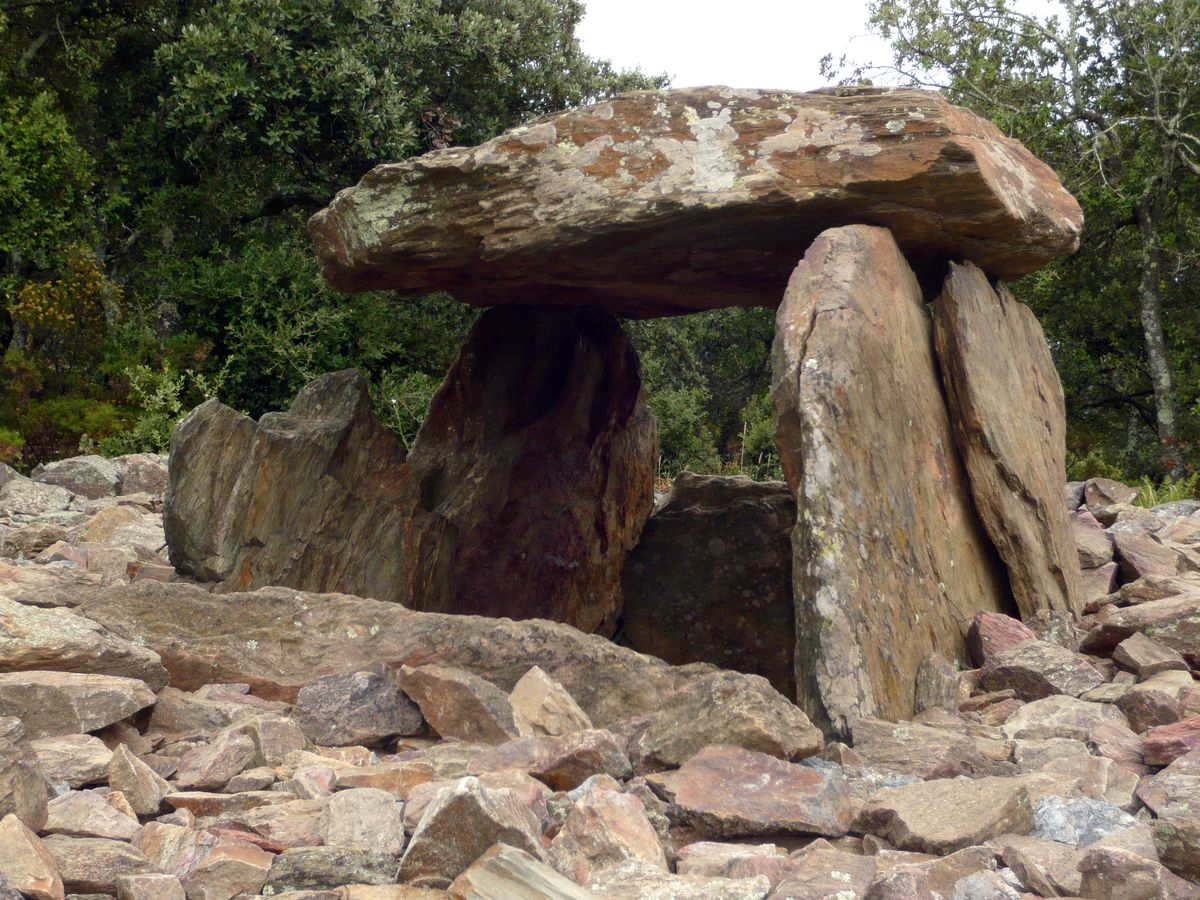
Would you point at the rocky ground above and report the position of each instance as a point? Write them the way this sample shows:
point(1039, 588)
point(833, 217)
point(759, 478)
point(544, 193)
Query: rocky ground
point(159, 740)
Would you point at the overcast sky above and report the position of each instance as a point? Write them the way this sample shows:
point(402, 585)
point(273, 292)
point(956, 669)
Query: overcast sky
point(740, 43)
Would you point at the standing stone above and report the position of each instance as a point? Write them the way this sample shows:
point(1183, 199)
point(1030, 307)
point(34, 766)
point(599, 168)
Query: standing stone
point(533, 473)
point(891, 561)
point(1009, 416)
point(710, 580)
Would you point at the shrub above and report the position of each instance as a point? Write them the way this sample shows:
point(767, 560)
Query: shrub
point(1183, 488)
point(54, 428)
point(162, 397)
point(11, 444)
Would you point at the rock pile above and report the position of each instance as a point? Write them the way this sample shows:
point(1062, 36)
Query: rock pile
point(158, 740)
point(923, 459)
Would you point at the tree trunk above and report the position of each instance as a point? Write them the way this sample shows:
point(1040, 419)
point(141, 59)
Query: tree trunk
point(1150, 304)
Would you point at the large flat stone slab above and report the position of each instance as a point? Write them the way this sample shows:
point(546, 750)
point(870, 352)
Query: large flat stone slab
point(663, 202)
point(891, 561)
point(1006, 403)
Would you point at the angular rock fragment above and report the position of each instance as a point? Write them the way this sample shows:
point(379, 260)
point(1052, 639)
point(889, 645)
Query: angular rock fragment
point(1163, 745)
point(356, 709)
point(724, 708)
point(1037, 669)
point(363, 819)
point(563, 763)
point(1080, 821)
point(92, 865)
point(948, 814)
point(1093, 545)
point(1060, 717)
point(1145, 656)
point(231, 868)
point(992, 633)
point(22, 784)
point(730, 605)
point(55, 703)
point(818, 871)
point(506, 873)
point(634, 880)
point(141, 785)
point(853, 367)
point(698, 197)
point(543, 708)
point(459, 705)
point(459, 826)
point(86, 476)
point(908, 748)
point(603, 829)
point(1173, 621)
point(325, 868)
point(88, 814)
point(25, 864)
point(1114, 874)
point(72, 759)
point(727, 791)
point(1006, 403)
point(149, 887)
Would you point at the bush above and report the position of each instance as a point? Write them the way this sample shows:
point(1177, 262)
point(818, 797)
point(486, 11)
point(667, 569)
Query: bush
point(1183, 488)
point(11, 444)
point(54, 428)
point(162, 398)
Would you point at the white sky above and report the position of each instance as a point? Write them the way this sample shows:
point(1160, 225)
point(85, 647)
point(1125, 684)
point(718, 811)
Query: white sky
point(740, 43)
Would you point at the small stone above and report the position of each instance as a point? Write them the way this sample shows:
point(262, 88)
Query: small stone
point(359, 708)
point(562, 762)
point(1092, 542)
point(506, 873)
point(1060, 716)
point(1037, 669)
point(912, 749)
point(1146, 709)
point(603, 829)
point(88, 814)
point(1163, 745)
point(325, 868)
point(991, 633)
point(459, 826)
point(363, 819)
point(92, 865)
point(55, 703)
point(937, 684)
point(459, 705)
point(726, 791)
point(543, 708)
point(149, 887)
point(25, 864)
point(22, 786)
point(141, 785)
point(72, 759)
point(1114, 874)
point(948, 814)
point(1145, 656)
point(211, 765)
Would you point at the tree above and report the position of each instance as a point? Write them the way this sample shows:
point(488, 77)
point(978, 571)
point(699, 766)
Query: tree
point(1108, 92)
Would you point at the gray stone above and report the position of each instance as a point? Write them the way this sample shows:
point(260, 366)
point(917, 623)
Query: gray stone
point(358, 708)
point(1080, 822)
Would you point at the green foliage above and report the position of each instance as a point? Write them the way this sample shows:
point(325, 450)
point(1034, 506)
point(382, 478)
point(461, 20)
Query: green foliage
point(57, 427)
point(400, 399)
point(162, 397)
point(1170, 490)
point(1093, 465)
point(11, 444)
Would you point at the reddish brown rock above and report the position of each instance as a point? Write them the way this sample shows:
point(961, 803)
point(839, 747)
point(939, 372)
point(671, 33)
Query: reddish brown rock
point(637, 185)
point(1115, 874)
point(1037, 669)
point(1150, 708)
point(908, 748)
point(25, 864)
point(54, 703)
point(140, 784)
point(22, 785)
point(543, 708)
point(1061, 717)
point(730, 605)
point(398, 778)
point(1145, 656)
point(730, 792)
point(948, 814)
point(853, 371)
point(992, 633)
point(72, 759)
point(563, 763)
point(89, 814)
point(1009, 416)
point(502, 873)
point(150, 886)
point(533, 473)
point(1173, 621)
point(92, 865)
point(459, 705)
point(278, 639)
point(1106, 492)
point(363, 819)
point(1093, 544)
point(605, 828)
point(1166, 743)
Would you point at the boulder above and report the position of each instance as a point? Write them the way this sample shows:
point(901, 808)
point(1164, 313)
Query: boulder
point(22, 784)
point(141, 473)
point(326, 868)
point(533, 473)
point(59, 640)
point(141, 785)
point(1093, 544)
point(1037, 669)
point(909, 748)
point(54, 703)
point(25, 864)
point(563, 762)
point(92, 865)
point(1106, 492)
point(86, 476)
point(890, 560)
point(356, 708)
point(543, 708)
point(1009, 416)
point(726, 791)
point(363, 819)
point(992, 633)
point(89, 814)
point(1145, 656)
point(696, 198)
point(277, 640)
point(72, 759)
point(1110, 873)
point(710, 579)
point(22, 498)
point(459, 705)
point(1173, 621)
point(603, 829)
point(1079, 821)
point(1060, 716)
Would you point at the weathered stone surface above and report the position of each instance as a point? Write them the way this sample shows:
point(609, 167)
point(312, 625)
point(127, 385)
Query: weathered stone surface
point(727, 791)
point(1113, 874)
point(1145, 656)
point(724, 708)
point(1177, 839)
point(1166, 743)
point(277, 640)
point(908, 748)
point(1060, 717)
point(22, 785)
point(698, 197)
point(151, 886)
point(1080, 821)
point(363, 819)
point(53, 703)
point(459, 705)
point(1172, 621)
point(86, 476)
point(459, 826)
point(948, 814)
point(141, 473)
point(22, 498)
point(603, 829)
point(89, 865)
point(232, 868)
point(992, 633)
point(533, 473)
point(323, 868)
point(563, 762)
point(938, 684)
point(203, 713)
point(821, 871)
point(25, 864)
point(506, 873)
point(882, 578)
point(210, 766)
point(543, 708)
point(72, 759)
point(719, 860)
point(141, 785)
point(1093, 544)
point(1009, 416)
point(59, 640)
point(1037, 669)
point(1149, 708)
point(89, 814)
point(710, 579)
point(398, 779)
point(1106, 492)
point(357, 708)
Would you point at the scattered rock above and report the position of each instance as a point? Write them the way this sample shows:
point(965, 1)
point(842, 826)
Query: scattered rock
point(992, 633)
point(603, 829)
point(563, 762)
point(457, 704)
point(72, 759)
point(325, 868)
point(1080, 821)
point(1060, 717)
point(92, 865)
point(1163, 745)
point(1114, 874)
point(1037, 669)
point(363, 819)
point(506, 873)
point(25, 864)
point(543, 708)
point(86, 476)
point(55, 703)
point(141, 785)
point(22, 785)
point(89, 814)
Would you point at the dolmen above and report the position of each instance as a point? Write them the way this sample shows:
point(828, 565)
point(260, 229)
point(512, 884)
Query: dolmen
point(919, 417)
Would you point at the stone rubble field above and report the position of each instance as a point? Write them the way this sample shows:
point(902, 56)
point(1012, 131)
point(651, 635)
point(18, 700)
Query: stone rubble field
point(159, 740)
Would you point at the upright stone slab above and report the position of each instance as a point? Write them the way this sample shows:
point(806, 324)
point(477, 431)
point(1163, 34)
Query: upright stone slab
point(1006, 403)
point(891, 561)
point(533, 473)
point(307, 498)
point(710, 580)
